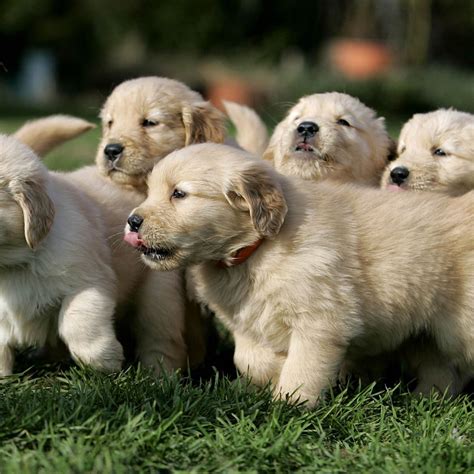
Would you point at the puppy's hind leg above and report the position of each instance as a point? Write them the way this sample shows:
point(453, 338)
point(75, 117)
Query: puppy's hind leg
point(433, 369)
point(159, 322)
point(86, 326)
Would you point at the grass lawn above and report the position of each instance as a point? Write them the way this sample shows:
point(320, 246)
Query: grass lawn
point(79, 421)
point(70, 419)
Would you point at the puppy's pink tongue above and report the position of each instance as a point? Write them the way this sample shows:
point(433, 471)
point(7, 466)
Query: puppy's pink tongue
point(394, 188)
point(133, 239)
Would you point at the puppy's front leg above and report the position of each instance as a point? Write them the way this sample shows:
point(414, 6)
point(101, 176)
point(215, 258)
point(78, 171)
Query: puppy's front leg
point(258, 363)
point(6, 360)
point(313, 362)
point(86, 326)
point(159, 323)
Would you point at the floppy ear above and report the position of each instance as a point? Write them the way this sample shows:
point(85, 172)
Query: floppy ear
point(256, 191)
point(203, 123)
point(37, 207)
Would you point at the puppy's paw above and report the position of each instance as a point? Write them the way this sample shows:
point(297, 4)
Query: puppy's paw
point(162, 363)
point(104, 355)
point(5, 371)
point(296, 396)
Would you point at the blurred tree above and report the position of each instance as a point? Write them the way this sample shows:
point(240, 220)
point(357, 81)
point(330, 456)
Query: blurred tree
point(92, 39)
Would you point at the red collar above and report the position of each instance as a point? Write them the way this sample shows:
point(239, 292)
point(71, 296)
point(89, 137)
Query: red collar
point(240, 255)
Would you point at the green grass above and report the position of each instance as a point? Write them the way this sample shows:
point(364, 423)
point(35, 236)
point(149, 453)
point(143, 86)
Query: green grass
point(76, 420)
point(70, 419)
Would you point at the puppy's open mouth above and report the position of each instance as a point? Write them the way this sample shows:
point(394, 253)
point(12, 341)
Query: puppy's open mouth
point(156, 253)
point(303, 146)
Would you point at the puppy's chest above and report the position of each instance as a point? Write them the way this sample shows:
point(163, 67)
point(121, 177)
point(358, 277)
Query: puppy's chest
point(243, 304)
point(24, 298)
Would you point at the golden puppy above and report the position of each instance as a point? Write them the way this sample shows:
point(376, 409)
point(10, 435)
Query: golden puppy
point(56, 267)
point(144, 119)
point(331, 135)
point(303, 273)
point(435, 153)
point(156, 301)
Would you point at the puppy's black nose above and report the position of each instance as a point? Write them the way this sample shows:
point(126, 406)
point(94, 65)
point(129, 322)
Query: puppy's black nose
point(113, 150)
point(307, 129)
point(134, 221)
point(399, 174)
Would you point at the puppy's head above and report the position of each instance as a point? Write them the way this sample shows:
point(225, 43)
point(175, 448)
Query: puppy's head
point(145, 119)
point(331, 135)
point(435, 152)
point(26, 211)
point(205, 202)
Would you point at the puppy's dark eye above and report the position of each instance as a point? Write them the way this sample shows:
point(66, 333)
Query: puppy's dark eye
point(149, 123)
point(344, 122)
point(178, 194)
point(439, 152)
point(109, 123)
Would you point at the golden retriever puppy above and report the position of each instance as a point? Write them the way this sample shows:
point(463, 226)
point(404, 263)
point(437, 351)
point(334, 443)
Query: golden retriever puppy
point(44, 134)
point(56, 267)
point(155, 301)
point(144, 119)
point(331, 135)
point(435, 153)
point(302, 273)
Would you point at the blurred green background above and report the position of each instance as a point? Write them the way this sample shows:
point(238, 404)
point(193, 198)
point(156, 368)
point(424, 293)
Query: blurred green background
point(398, 56)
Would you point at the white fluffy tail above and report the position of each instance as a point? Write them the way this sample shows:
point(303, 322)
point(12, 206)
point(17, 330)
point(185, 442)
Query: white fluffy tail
point(44, 134)
point(252, 134)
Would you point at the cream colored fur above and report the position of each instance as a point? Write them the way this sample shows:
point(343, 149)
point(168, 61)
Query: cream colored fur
point(355, 153)
point(343, 271)
point(451, 131)
point(42, 135)
point(56, 275)
point(252, 133)
point(157, 301)
point(451, 172)
point(175, 116)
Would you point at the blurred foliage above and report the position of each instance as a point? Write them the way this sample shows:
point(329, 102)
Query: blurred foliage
point(88, 37)
point(400, 93)
point(278, 46)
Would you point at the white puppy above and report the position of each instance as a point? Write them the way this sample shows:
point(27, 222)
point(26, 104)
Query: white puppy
point(56, 275)
point(435, 153)
point(303, 273)
point(331, 135)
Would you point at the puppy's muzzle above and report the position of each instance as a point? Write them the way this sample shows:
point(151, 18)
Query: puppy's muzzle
point(307, 129)
point(399, 175)
point(112, 151)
